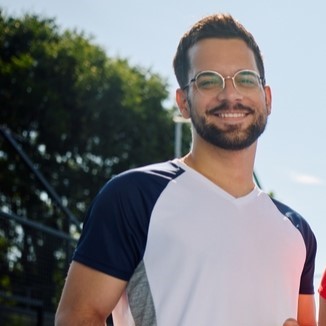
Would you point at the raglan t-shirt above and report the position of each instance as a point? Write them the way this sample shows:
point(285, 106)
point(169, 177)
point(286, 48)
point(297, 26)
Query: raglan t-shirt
point(195, 255)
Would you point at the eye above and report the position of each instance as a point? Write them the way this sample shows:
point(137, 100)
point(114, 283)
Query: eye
point(209, 80)
point(247, 79)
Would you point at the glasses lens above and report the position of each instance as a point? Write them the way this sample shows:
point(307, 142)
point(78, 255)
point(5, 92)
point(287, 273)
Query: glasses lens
point(246, 79)
point(208, 81)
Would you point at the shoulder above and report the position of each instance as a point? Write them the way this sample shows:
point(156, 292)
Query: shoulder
point(166, 170)
point(154, 175)
point(138, 185)
point(298, 221)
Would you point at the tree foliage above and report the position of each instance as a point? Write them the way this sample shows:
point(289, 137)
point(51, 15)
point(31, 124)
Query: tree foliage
point(80, 115)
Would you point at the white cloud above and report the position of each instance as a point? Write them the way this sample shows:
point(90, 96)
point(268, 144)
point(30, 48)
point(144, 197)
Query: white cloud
point(306, 179)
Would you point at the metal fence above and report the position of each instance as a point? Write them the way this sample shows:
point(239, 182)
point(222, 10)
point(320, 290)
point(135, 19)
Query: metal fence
point(33, 264)
point(34, 258)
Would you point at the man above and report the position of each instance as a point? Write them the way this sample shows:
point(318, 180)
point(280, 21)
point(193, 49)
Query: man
point(194, 241)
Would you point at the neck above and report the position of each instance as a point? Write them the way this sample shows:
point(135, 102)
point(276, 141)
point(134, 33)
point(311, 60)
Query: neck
point(230, 170)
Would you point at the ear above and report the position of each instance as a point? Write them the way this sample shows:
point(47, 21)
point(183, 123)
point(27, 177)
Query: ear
point(268, 99)
point(181, 98)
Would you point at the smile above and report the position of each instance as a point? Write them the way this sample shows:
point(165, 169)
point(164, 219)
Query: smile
point(231, 114)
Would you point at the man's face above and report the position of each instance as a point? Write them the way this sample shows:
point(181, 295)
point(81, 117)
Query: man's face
point(233, 118)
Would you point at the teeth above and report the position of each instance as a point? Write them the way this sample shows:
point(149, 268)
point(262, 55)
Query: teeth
point(231, 115)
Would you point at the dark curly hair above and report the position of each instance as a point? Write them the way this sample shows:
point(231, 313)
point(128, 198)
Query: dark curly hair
point(213, 26)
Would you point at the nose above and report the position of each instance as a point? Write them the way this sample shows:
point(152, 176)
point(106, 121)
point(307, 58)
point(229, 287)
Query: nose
point(229, 92)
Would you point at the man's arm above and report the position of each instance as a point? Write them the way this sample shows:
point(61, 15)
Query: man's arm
point(306, 310)
point(88, 297)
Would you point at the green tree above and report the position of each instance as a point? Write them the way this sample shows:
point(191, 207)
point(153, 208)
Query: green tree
point(80, 116)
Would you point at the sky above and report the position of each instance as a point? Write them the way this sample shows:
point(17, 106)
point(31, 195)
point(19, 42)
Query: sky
point(291, 156)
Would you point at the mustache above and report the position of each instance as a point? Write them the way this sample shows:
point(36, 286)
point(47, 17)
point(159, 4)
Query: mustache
point(225, 106)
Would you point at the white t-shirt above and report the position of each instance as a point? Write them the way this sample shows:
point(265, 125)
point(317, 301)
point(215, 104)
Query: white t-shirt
point(195, 255)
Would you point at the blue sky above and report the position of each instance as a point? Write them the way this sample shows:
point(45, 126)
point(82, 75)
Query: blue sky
point(291, 157)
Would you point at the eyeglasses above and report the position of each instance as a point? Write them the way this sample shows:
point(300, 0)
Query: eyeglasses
point(211, 82)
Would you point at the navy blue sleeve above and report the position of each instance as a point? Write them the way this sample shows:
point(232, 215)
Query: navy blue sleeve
point(307, 276)
point(114, 234)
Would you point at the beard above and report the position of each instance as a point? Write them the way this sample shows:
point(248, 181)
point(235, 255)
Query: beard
point(231, 137)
